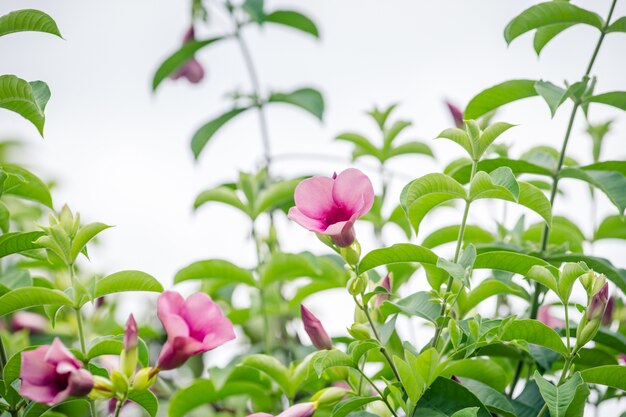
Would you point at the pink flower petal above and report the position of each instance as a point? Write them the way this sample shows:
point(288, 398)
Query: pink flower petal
point(353, 191)
point(314, 225)
point(314, 197)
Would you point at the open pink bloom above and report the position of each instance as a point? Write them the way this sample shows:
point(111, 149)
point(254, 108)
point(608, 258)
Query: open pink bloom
point(298, 410)
point(456, 113)
point(544, 316)
point(25, 320)
point(192, 69)
point(315, 330)
point(193, 326)
point(331, 206)
point(50, 374)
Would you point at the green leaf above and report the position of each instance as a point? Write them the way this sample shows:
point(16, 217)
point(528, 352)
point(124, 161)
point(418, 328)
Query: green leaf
point(401, 252)
point(419, 304)
point(460, 137)
point(609, 375)
point(499, 95)
point(277, 195)
point(461, 172)
point(206, 132)
point(500, 184)
point(558, 398)
point(489, 135)
point(547, 276)
point(425, 193)
point(293, 20)
point(599, 265)
point(467, 412)
point(486, 289)
point(179, 58)
point(552, 94)
point(23, 183)
point(481, 369)
point(127, 281)
point(307, 99)
point(361, 143)
point(288, 266)
point(114, 346)
point(147, 400)
point(272, 368)
point(25, 99)
point(448, 397)
point(26, 297)
point(215, 269)
point(254, 8)
point(618, 26)
point(545, 34)
point(495, 402)
point(28, 20)
point(221, 195)
point(345, 407)
point(507, 261)
point(84, 235)
point(326, 359)
point(612, 227)
point(17, 242)
point(549, 13)
point(533, 198)
point(611, 183)
point(614, 98)
point(411, 148)
point(535, 332)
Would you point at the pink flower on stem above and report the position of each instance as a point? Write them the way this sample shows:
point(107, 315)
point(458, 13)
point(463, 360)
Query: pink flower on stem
point(457, 115)
point(331, 206)
point(193, 326)
point(192, 69)
point(544, 316)
point(50, 374)
point(25, 320)
point(596, 307)
point(315, 330)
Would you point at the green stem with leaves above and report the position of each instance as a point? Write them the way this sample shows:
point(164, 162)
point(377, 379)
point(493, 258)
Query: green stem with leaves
point(457, 252)
point(534, 308)
point(380, 394)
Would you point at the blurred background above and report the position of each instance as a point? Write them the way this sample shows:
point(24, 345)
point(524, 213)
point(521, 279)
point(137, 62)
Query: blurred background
point(121, 154)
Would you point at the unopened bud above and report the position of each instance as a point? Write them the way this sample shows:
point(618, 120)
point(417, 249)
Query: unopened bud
point(356, 285)
point(351, 253)
point(315, 330)
point(102, 388)
point(144, 378)
point(120, 383)
point(129, 356)
point(329, 396)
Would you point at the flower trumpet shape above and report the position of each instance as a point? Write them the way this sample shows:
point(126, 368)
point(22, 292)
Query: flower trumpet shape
point(192, 69)
point(298, 410)
point(193, 326)
point(315, 330)
point(331, 206)
point(50, 374)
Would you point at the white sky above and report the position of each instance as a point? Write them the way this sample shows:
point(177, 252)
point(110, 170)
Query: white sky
point(121, 154)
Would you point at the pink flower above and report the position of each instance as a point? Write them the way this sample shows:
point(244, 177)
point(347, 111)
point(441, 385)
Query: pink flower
point(50, 374)
point(192, 69)
point(131, 334)
point(456, 113)
point(315, 330)
point(331, 206)
point(25, 320)
point(622, 358)
point(193, 326)
point(544, 316)
point(129, 356)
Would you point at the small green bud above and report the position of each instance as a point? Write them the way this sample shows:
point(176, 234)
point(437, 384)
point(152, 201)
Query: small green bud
point(102, 388)
point(360, 331)
point(378, 408)
point(145, 378)
point(351, 253)
point(356, 285)
point(120, 383)
point(329, 396)
point(359, 316)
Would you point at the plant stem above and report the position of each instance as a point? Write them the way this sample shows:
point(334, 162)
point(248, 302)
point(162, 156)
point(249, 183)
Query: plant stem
point(267, 337)
point(3, 355)
point(457, 252)
point(546, 231)
point(377, 336)
point(380, 394)
point(118, 407)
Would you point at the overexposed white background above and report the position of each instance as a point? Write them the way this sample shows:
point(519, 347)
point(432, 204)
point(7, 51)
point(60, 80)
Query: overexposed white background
point(121, 154)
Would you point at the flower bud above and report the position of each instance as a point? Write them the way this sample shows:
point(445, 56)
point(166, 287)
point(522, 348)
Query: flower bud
point(315, 330)
point(359, 331)
point(595, 310)
point(300, 410)
point(120, 383)
point(102, 388)
point(329, 396)
point(607, 317)
point(386, 284)
point(456, 113)
point(145, 378)
point(128, 358)
point(359, 315)
point(356, 285)
point(26, 320)
point(351, 253)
